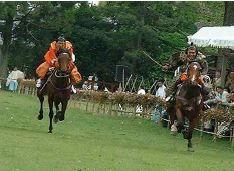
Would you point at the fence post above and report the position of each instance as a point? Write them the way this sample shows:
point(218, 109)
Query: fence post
point(202, 127)
point(110, 108)
point(86, 107)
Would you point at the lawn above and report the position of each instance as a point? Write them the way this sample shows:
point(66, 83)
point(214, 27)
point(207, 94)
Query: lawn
point(86, 141)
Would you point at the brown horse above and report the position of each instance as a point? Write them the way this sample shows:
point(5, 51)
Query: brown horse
point(57, 87)
point(188, 103)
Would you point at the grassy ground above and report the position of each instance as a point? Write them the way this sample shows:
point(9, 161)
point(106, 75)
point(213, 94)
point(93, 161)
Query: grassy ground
point(85, 141)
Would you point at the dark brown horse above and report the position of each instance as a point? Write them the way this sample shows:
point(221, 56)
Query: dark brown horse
point(188, 103)
point(57, 87)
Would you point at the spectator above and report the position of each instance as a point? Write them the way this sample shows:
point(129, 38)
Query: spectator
point(225, 126)
point(159, 111)
point(85, 85)
point(13, 78)
point(207, 82)
point(161, 91)
point(230, 81)
point(92, 79)
point(220, 96)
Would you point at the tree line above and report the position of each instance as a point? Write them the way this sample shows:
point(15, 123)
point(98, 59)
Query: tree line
point(103, 36)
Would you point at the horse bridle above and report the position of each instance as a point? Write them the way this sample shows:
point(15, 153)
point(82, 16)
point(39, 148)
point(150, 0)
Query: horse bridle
point(188, 66)
point(60, 76)
point(195, 64)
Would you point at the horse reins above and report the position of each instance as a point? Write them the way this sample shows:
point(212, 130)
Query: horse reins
point(57, 76)
point(47, 81)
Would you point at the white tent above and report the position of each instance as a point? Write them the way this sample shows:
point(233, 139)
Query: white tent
point(221, 37)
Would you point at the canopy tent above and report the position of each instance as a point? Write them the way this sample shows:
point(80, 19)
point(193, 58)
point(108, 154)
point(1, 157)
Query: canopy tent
point(221, 37)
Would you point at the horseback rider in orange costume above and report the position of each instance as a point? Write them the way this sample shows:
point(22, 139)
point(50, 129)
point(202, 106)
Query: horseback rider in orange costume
point(52, 61)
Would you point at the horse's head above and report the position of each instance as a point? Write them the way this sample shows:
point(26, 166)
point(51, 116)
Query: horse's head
point(64, 59)
point(194, 72)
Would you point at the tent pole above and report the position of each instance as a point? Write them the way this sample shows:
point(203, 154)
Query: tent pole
point(224, 67)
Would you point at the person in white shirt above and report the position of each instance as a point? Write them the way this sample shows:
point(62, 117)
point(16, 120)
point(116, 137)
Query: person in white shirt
point(13, 79)
point(161, 91)
point(85, 85)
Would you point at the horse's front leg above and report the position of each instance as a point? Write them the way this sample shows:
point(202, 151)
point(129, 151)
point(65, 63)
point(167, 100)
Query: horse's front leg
point(56, 116)
point(180, 122)
point(189, 134)
point(171, 111)
point(51, 113)
point(64, 107)
point(41, 98)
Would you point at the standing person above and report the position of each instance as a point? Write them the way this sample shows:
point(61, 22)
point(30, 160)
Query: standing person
point(161, 91)
point(159, 110)
point(13, 78)
point(52, 61)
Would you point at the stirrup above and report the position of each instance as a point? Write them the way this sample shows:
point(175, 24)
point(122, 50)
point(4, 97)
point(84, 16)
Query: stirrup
point(168, 98)
point(206, 106)
point(51, 69)
point(73, 89)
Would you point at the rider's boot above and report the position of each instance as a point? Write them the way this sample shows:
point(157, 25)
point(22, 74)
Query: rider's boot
point(39, 83)
point(73, 90)
point(205, 106)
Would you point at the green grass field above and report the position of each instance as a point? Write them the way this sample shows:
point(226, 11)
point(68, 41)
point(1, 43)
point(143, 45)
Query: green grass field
point(86, 141)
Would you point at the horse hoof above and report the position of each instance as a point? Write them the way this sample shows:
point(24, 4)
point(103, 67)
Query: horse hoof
point(190, 149)
point(40, 117)
point(50, 132)
point(55, 119)
point(174, 133)
point(61, 117)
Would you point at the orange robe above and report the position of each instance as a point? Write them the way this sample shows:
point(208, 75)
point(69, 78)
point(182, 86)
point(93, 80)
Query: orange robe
point(50, 61)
